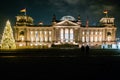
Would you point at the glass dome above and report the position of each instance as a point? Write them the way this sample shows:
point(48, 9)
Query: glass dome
point(71, 18)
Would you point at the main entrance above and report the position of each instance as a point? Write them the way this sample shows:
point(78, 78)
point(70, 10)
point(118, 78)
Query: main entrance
point(66, 35)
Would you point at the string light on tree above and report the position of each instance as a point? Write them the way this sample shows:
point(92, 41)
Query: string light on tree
point(8, 41)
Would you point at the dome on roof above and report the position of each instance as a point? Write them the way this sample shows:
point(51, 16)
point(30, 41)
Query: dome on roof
point(71, 18)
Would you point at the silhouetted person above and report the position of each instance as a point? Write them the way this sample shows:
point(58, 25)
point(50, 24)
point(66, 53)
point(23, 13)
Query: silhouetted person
point(87, 49)
point(82, 48)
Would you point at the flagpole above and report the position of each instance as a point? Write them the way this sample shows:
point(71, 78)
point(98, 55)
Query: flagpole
point(107, 15)
point(25, 12)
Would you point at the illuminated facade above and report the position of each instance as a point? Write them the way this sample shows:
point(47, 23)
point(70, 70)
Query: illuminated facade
point(67, 30)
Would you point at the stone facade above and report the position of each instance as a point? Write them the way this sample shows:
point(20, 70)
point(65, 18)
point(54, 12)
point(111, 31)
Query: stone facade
point(65, 31)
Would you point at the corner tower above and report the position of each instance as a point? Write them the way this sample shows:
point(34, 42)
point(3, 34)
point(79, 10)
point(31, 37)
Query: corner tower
point(21, 28)
point(109, 29)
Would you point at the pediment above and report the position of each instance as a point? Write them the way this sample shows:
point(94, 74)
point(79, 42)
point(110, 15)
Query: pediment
point(66, 23)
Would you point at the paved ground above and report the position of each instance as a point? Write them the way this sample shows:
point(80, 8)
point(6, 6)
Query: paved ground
point(60, 64)
point(60, 52)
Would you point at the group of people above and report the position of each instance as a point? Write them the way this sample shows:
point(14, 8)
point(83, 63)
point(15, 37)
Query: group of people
point(85, 49)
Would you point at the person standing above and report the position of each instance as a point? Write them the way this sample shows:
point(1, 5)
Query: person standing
point(87, 49)
point(82, 48)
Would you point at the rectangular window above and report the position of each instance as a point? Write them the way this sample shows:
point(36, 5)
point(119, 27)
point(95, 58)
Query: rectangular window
point(31, 36)
point(83, 39)
point(100, 33)
point(91, 33)
point(100, 38)
point(96, 39)
point(45, 35)
point(50, 35)
point(95, 33)
point(36, 35)
point(91, 38)
point(41, 36)
point(83, 32)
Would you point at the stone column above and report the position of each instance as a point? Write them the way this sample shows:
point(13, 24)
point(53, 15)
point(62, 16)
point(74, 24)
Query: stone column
point(43, 35)
point(28, 36)
point(103, 35)
point(39, 35)
point(16, 34)
point(63, 34)
point(54, 35)
point(58, 35)
point(68, 34)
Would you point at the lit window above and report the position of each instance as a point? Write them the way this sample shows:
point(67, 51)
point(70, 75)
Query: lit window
point(31, 44)
point(36, 35)
point(31, 37)
point(46, 38)
point(91, 33)
point(36, 44)
point(41, 39)
point(20, 44)
point(50, 39)
point(83, 39)
point(45, 32)
point(91, 38)
point(49, 32)
point(100, 33)
point(21, 37)
point(109, 38)
point(96, 39)
point(31, 32)
point(100, 38)
point(96, 33)
point(83, 32)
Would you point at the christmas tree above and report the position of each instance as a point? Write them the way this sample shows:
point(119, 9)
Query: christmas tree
point(8, 41)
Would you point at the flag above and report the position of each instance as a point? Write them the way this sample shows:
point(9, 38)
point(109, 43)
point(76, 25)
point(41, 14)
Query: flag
point(87, 22)
point(105, 11)
point(23, 10)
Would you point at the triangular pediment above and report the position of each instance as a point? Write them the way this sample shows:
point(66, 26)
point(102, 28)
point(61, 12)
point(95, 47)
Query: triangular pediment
point(66, 23)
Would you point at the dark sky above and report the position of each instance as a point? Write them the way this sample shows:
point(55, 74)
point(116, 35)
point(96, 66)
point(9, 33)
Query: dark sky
point(43, 10)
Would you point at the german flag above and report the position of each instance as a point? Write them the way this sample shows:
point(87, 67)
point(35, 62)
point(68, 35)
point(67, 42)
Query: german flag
point(105, 11)
point(23, 10)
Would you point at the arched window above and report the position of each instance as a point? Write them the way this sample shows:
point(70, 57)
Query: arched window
point(108, 33)
point(22, 33)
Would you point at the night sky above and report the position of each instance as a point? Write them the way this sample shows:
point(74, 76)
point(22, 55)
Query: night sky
point(43, 10)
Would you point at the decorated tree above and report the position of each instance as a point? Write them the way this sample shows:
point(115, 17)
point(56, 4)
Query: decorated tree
point(8, 41)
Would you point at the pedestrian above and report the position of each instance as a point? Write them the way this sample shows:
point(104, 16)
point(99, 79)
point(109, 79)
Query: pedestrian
point(82, 49)
point(87, 49)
